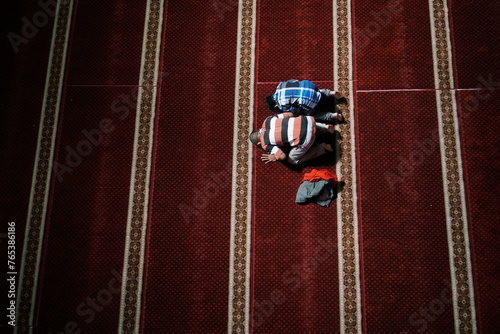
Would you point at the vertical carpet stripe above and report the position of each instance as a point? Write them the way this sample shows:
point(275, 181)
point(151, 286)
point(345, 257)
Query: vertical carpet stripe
point(239, 262)
point(130, 303)
point(40, 186)
point(456, 216)
point(349, 277)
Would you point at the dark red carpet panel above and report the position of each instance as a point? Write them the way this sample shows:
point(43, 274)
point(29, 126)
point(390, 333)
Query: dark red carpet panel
point(476, 43)
point(295, 264)
point(480, 142)
point(405, 248)
point(83, 248)
point(406, 267)
point(24, 68)
point(477, 59)
point(294, 41)
point(106, 43)
point(187, 278)
point(392, 44)
point(84, 243)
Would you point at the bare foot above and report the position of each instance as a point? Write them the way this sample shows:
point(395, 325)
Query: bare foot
point(338, 116)
point(335, 94)
point(327, 147)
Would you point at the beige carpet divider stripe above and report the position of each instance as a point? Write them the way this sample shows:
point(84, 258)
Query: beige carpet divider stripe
point(133, 263)
point(42, 170)
point(456, 216)
point(347, 217)
point(241, 198)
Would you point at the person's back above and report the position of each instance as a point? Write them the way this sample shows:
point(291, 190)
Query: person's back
point(293, 94)
point(304, 98)
point(285, 130)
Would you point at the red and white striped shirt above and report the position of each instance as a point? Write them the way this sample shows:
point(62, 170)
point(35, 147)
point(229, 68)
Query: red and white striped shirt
point(285, 130)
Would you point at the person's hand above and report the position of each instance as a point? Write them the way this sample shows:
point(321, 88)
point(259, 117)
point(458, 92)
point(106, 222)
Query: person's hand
point(267, 158)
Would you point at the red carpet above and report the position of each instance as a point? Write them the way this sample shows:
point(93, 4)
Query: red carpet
point(89, 201)
point(295, 258)
point(188, 249)
point(480, 148)
point(401, 207)
point(146, 210)
point(20, 120)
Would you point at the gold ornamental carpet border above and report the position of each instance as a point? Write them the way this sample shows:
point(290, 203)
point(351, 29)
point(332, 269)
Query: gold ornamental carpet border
point(133, 262)
point(42, 170)
point(347, 214)
point(456, 216)
point(241, 197)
